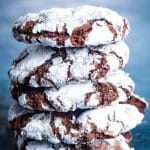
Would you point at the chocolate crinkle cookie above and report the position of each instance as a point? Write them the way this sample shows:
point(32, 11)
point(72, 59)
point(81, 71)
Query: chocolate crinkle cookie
point(72, 27)
point(46, 66)
point(80, 126)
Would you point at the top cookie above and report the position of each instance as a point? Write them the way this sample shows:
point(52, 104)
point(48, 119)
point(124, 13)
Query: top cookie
point(71, 27)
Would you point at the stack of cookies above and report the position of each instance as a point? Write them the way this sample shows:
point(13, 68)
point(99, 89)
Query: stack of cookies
point(70, 92)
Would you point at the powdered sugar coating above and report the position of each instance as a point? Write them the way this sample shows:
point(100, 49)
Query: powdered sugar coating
point(76, 95)
point(120, 79)
point(118, 142)
point(40, 127)
point(33, 57)
point(110, 121)
point(71, 64)
point(60, 19)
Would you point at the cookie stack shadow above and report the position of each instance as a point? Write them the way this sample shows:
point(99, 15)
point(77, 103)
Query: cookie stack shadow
point(69, 88)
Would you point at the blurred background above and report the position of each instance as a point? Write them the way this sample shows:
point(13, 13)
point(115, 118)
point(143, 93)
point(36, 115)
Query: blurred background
point(138, 40)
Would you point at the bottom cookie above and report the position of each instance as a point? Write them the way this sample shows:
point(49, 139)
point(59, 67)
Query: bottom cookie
point(118, 143)
point(79, 126)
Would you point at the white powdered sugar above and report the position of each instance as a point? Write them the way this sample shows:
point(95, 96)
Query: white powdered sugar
point(121, 49)
point(71, 97)
point(49, 20)
point(39, 128)
point(33, 57)
point(120, 79)
point(112, 120)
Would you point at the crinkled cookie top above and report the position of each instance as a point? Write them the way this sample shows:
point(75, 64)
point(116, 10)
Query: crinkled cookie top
point(72, 27)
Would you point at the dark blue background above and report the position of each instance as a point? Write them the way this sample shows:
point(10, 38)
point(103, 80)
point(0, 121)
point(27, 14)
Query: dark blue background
point(136, 11)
